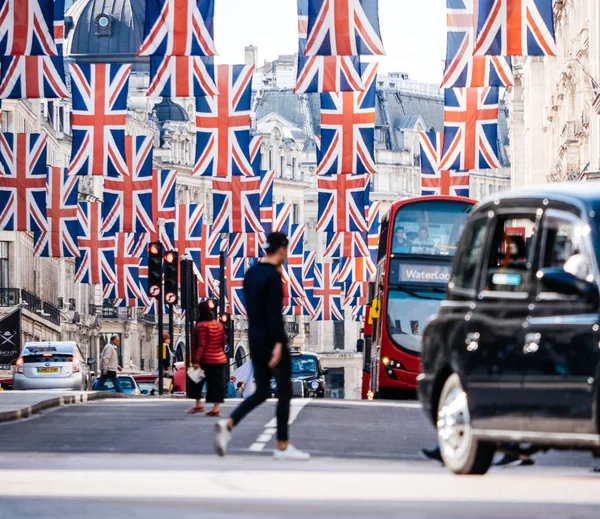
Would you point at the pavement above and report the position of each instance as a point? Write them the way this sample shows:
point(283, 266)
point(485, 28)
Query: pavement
point(148, 458)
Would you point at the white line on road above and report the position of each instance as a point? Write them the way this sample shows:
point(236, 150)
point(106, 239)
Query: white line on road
point(271, 426)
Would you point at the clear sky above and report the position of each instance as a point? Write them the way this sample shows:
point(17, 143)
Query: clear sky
point(413, 31)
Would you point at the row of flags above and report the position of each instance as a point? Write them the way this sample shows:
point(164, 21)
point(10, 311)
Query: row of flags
point(482, 35)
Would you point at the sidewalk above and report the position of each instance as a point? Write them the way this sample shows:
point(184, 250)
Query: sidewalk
point(21, 404)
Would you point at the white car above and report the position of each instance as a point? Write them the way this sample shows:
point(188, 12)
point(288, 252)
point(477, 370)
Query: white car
point(52, 365)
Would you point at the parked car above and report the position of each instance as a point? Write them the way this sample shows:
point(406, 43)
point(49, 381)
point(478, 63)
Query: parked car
point(146, 383)
point(512, 355)
point(52, 365)
point(308, 377)
point(126, 382)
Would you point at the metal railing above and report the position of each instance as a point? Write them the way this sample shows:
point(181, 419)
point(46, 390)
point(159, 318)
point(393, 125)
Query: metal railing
point(31, 302)
point(9, 297)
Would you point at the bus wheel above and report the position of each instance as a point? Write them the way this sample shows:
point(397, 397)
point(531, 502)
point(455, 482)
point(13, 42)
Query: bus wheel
point(461, 452)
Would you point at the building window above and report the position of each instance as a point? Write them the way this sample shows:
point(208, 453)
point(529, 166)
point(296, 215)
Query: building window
point(3, 264)
point(295, 214)
point(294, 165)
point(282, 166)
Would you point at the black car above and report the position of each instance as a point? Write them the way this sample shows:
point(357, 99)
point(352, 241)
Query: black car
point(308, 378)
point(512, 357)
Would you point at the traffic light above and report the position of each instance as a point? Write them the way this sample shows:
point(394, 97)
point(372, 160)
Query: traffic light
point(228, 325)
point(155, 250)
point(171, 260)
point(225, 321)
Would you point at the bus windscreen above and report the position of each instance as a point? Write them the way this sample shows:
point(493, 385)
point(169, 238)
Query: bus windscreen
point(429, 228)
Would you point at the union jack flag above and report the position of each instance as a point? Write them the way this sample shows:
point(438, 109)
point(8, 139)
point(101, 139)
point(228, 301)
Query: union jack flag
point(373, 234)
point(182, 76)
point(98, 119)
point(247, 245)
point(210, 262)
point(295, 261)
point(60, 238)
point(128, 200)
point(515, 28)
point(356, 269)
point(282, 221)
point(327, 293)
point(32, 77)
point(433, 180)
point(343, 28)
point(94, 248)
point(267, 179)
point(59, 25)
point(462, 68)
point(342, 202)
point(324, 73)
point(122, 282)
point(359, 313)
point(348, 129)
point(346, 245)
point(26, 28)
point(23, 182)
point(235, 286)
point(223, 125)
point(470, 129)
point(188, 233)
point(308, 280)
point(163, 205)
point(178, 28)
point(255, 155)
point(236, 205)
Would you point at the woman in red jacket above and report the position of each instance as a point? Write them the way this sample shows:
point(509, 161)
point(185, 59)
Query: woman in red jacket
point(208, 351)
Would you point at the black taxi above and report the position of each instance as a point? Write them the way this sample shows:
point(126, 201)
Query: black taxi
point(512, 357)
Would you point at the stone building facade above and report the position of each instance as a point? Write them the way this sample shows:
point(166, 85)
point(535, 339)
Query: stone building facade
point(555, 104)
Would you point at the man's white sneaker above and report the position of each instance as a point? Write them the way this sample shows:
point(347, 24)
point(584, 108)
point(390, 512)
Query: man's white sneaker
point(222, 437)
point(291, 453)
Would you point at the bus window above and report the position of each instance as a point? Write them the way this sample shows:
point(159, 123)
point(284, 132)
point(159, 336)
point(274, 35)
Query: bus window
point(429, 228)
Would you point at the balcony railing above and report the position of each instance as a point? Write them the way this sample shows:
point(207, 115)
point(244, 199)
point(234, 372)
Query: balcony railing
point(31, 302)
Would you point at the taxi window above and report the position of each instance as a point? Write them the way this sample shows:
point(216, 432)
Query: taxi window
point(464, 276)
point(510, 256)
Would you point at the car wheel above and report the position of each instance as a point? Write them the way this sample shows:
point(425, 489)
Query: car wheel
point(461, 452)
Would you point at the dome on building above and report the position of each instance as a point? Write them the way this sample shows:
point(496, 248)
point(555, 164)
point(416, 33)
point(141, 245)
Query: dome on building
point(103, 31)
point(168, 110)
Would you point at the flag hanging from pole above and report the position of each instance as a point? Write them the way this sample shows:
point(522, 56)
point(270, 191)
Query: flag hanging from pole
point(341, 202)
point(327, 293)
point(236, 205)
point(435, 181)
point(27, 28)
point(33, 77)
point(182, 76)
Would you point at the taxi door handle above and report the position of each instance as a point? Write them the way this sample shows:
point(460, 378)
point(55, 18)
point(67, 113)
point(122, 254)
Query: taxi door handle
point(532, 343)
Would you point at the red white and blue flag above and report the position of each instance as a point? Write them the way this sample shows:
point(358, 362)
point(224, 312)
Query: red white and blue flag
point(255, 155)
point(373, 233)
point(210, 262)
point(178, 28)
point(98, 119)
point(188, 233)
point(435, 181)
point(323, 73)
point(33, 77)
point(223, 125)
point(348, 129)
point(462, 68)
point(59, 25)
point(327, 293)
point(236, 203)
point(282, 220)
point(308, 280)
point(515, 28)
point(470, 129)
point(163, 205)
point(356, 269)
point(235, 285)
point(343, 28)
point(26, 28)
point(94, 248)
point(247, 245)
point(267, 179)
point(128, 200)
point(346, 245)
point(123, 281)
point(60, 238)
point(295, 262)
point(23, 182)
point(182, 76)
point(341, 202)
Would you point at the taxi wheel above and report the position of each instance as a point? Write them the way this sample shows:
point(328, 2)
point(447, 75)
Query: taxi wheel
point(461, 452)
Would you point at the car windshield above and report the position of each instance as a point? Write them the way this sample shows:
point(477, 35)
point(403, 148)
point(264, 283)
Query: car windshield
point(304, 365)
point(124, 382)
point(430, 228)
point(407, 314)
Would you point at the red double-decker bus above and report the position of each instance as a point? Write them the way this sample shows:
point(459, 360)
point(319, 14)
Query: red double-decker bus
point(418, 241)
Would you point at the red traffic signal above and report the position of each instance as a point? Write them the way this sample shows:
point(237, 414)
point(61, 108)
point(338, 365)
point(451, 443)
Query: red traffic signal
point(211, 304)
point(170, 257)
point(224, 318)
point(154, 249)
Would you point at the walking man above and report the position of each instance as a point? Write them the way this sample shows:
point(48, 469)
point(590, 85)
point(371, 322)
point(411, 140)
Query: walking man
point(269, 351)
point(109, 363)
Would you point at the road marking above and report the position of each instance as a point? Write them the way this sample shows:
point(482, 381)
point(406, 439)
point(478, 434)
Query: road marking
point(367, 403)
point(271, 427)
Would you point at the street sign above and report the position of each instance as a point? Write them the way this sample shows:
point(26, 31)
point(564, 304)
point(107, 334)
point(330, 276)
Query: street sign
point(170, 298)
point(155, 291)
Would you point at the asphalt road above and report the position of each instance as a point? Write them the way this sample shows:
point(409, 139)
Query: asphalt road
point(148, 458)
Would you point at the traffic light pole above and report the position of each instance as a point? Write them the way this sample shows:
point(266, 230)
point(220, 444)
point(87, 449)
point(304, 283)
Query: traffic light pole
point(171, 326)
point(159, 311)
